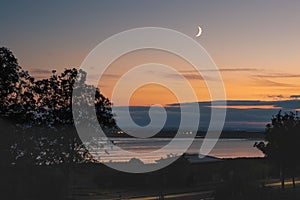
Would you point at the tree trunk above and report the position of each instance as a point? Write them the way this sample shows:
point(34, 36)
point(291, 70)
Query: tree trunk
point(294, 184)
point(282, 177)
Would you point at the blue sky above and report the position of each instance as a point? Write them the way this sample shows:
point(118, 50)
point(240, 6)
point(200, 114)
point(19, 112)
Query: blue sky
point(47, 34)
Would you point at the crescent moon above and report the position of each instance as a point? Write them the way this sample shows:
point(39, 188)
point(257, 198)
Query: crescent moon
point(199, 31)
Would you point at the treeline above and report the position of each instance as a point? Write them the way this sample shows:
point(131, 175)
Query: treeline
point(37, 125)
point(281, 145)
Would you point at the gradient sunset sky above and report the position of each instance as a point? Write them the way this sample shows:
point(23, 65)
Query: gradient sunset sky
point(255, 44)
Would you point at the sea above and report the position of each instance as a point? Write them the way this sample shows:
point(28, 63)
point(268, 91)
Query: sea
point(150, 150)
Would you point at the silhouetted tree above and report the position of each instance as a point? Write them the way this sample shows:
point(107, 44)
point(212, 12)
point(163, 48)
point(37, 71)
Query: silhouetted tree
point(40, 113)
point(282, 138)
point(16, 98)
point(54, 112)
point(16, 101)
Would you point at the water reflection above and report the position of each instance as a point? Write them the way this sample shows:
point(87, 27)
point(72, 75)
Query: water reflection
point(225, 148)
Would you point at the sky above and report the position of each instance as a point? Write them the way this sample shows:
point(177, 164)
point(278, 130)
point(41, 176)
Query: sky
point(255, 44)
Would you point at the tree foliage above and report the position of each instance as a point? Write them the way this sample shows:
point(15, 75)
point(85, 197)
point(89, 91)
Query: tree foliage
point(282, 138)
point(16, 97)
point(39, 112)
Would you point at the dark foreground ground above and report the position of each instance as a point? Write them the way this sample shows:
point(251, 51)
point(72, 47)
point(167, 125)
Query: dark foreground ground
point(223, 179)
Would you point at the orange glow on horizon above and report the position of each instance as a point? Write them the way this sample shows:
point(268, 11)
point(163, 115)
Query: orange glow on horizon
point(151, 94)
point(154, 93)
point(240, 84)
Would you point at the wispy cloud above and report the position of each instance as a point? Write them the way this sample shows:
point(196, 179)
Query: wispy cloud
point(111, 76)
point(239, 69)
point(266, 82)
point(278, 75)
point(195, 77)
point(276, 97)
point(40, 71)
point(223, 70)
point(246, 107)
point(189, 76)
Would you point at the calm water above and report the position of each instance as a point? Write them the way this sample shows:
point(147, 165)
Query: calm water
point(146, 149)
